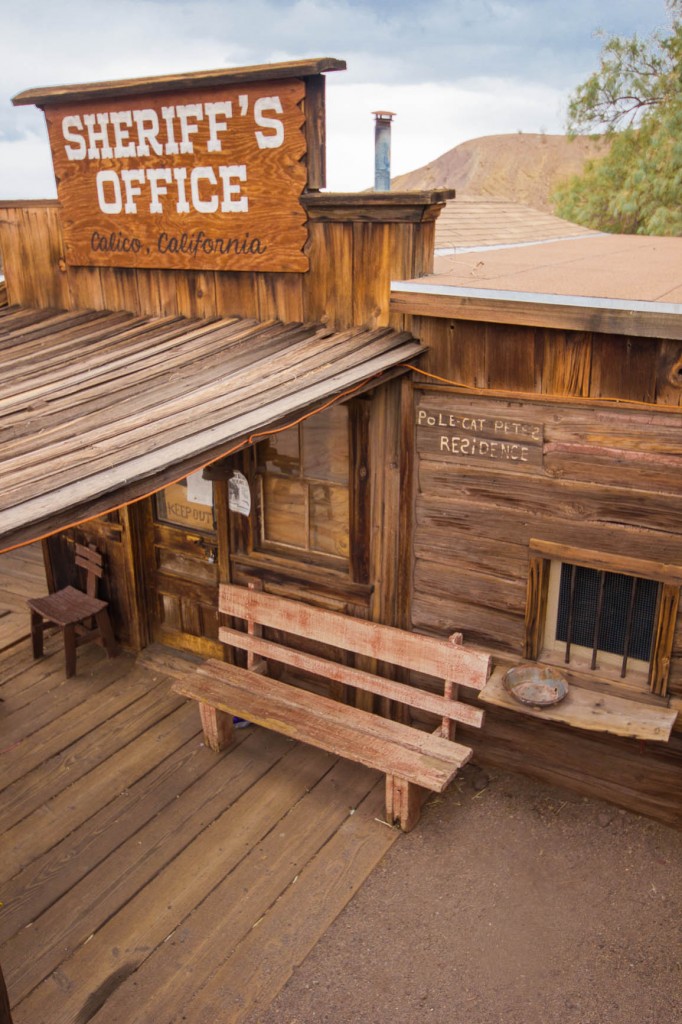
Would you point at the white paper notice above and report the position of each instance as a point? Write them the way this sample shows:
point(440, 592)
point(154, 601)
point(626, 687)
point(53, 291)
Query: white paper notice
point(199, 491)
point(238, 494)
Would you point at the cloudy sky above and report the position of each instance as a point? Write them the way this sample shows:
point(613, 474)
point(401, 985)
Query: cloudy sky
point(452, 70)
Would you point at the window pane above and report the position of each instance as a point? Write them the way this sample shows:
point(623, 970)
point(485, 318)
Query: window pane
point(174, 505)
point(614, 615)
point(325, 445)
point(304, 496)
point(280, 453)
point(329, 519)
point(284, 511)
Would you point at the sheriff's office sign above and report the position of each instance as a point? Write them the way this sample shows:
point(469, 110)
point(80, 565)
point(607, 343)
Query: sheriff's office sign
point(207, 179)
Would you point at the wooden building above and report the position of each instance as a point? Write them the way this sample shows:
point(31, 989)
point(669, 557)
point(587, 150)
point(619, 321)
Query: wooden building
point(544, 471)
point(333, 420)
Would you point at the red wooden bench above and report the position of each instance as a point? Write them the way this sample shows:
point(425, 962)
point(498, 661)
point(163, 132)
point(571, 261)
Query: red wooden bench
point(413, 761)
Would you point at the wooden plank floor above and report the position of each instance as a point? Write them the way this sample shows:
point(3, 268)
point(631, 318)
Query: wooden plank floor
point(144, 878)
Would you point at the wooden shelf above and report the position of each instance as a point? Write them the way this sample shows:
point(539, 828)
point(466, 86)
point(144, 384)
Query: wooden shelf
point(585, 709)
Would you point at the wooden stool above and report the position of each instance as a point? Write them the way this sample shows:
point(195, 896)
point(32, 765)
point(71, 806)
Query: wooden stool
point(82, 617)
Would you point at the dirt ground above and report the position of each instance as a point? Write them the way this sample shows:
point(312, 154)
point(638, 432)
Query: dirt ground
point(513, 902)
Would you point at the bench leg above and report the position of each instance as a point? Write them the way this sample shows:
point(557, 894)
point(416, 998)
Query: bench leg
point(218, 727)
point(404, 802)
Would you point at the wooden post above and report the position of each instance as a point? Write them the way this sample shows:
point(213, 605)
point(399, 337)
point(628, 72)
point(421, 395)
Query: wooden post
point(254, 662)
point(218, 727)
point(451, 692)
point(404, 802)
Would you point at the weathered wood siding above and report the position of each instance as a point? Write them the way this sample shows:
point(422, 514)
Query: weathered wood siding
point(354, 254)
point(530, 447)
point(531, 461)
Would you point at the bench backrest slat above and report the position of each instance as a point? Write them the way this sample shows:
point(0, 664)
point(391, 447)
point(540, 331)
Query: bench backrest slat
point(423, 654)
point(331, 670)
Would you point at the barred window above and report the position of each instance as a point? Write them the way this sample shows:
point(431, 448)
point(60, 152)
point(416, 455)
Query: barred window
point(602, 615)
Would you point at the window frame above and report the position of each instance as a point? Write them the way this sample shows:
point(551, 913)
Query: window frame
point(262, 503)
point(351, 577)
point(544, 553)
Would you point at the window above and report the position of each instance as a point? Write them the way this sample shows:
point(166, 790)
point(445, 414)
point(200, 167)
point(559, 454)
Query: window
point(308, 519)
point(601, 618)
point(304, 488)
point(188, 503)
point(601, 615)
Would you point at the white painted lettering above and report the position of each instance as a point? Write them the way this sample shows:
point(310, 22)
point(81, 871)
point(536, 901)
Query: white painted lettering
point(190, 114)
point(121, 121)
point(269, 141)
point(230, 189)
point(206, 174)
point(156, 176)
point(98, 137)
point(168, 115)
point(147, 124)
point(215, 125)
point(109, 204)
point(77, 150)
point(132, 182)
point(180, 175)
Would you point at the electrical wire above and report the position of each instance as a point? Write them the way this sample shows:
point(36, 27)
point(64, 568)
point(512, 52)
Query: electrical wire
point(333, 401)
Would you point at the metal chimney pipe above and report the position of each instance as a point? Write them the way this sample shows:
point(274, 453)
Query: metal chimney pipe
point(382, 150)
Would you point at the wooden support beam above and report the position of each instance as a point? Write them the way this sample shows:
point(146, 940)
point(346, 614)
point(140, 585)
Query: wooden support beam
point(218, 727)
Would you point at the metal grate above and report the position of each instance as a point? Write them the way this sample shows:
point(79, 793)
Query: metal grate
point(606, 611)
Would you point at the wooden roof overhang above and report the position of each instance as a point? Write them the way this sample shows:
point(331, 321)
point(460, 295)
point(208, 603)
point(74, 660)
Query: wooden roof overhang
point(593, 282)
point(59, 94)
point(529, 309)
point(98, 409)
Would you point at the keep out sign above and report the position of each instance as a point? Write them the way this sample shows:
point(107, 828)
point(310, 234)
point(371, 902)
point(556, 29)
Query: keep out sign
point(206, 179)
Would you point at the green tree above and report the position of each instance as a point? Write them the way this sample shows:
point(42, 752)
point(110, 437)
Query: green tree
point(636, 98)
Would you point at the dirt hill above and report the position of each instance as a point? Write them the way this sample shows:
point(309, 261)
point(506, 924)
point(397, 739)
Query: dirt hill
point(525, 168)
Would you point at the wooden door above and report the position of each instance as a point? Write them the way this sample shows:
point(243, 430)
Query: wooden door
point(113, 537)
point(182, 566)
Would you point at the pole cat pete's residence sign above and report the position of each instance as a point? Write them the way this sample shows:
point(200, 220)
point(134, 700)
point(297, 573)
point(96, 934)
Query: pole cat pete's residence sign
point(454, 429)
point(206, 180)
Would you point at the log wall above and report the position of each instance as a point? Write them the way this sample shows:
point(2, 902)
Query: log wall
point(533, 445)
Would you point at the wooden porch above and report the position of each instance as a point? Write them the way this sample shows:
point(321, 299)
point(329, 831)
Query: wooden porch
point(144, 877)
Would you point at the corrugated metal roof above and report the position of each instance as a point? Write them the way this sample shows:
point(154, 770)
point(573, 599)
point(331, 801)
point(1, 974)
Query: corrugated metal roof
point(94, 406)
